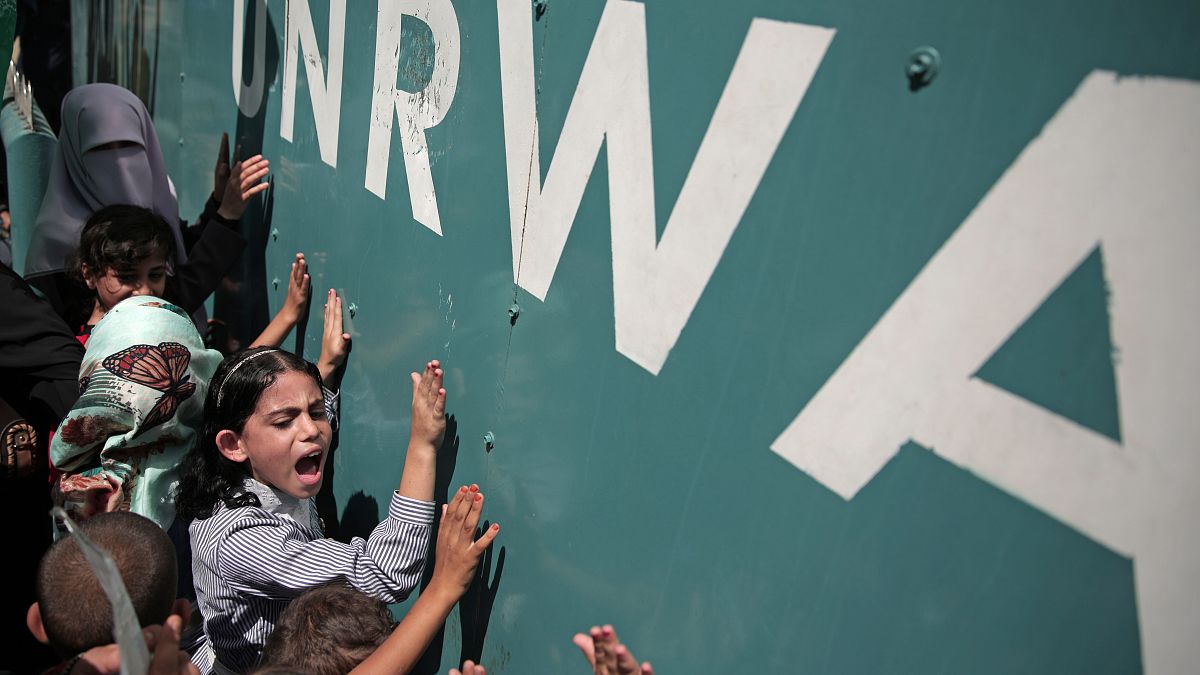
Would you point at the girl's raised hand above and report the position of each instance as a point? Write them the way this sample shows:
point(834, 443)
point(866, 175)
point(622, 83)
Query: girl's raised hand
point(298, 288)
point(607, 655)
point(429, 406)
point(458, 551)
point(335, 344)
point(245, 181)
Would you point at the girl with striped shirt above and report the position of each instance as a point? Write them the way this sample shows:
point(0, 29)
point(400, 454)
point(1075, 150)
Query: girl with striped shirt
point(248, 488)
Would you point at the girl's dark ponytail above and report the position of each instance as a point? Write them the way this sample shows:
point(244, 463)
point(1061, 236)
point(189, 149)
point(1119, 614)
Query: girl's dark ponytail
point(206, 475)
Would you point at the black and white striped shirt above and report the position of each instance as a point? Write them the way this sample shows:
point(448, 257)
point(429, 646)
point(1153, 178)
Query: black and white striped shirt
point(250, 562)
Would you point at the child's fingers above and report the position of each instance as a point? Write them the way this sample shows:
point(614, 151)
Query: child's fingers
point(584, 642)
point(247, 194)
point(647, 669)
point(253, 183)
point(166, 652)
point(436, 385)
point(182, 607)
point(439, 403)
point(489, 535)
point(460, 506)
point(452, 516)
point(426, 382)
point(336, 326)
point(626, 664)
point(605, 664)
point(249, 172)
point(472, 519)
point(261, 167)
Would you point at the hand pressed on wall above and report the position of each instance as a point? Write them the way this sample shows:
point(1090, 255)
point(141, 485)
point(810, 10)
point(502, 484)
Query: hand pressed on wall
point(245, 180)
point(607, 655)
point(429, 406)
point(335, 343)
point(299, 285)
point(475, 607)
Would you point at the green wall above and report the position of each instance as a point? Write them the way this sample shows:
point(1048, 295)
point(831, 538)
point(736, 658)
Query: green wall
point(654, 501)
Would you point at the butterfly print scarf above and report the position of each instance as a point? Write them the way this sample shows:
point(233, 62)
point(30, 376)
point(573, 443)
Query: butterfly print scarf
point(142, 386)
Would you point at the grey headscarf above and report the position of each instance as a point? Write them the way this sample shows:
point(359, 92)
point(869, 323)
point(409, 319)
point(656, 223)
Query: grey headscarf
point(83, 180)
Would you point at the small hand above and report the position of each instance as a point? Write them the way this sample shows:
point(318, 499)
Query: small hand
point(168, 659)
point(221, 172)
point(245, 181)
point(298, 287)
point(429, 406)
point(607, 655)
point(469, 668)
point(335, 344)
point(458, 552)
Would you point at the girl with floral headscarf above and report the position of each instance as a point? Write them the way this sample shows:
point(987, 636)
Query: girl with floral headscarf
point(141, 403)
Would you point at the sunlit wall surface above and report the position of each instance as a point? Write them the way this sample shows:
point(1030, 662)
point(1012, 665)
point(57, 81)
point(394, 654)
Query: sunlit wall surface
point(811, 336)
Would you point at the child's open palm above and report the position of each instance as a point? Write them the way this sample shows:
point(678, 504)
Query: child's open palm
point(458, 551)
point(606, 654)
point(429, 406)
point(335, 344)
point(298, 288)
point(245, 180)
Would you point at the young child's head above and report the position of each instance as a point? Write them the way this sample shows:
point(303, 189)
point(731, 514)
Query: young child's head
point(124, 251)
point(264, 417)
point(330, 629)
point(72, 614)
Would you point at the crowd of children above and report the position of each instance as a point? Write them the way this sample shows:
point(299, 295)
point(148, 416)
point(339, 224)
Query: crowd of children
point(196, 470)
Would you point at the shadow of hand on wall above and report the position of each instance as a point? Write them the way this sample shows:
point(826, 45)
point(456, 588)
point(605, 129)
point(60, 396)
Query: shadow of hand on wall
point(447, 460)
point(358, 519)
point(475, 607)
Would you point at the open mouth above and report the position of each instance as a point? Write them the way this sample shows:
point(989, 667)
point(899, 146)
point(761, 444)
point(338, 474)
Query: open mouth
point(309, 468)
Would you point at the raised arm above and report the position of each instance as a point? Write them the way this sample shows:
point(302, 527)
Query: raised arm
point(293, 306)
point(267, 556)
point(335, 344)
point(457, 556)
point(428, 428)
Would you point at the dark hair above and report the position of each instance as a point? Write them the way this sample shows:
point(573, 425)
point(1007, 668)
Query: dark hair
point(75, 612)
point(206, 475)
point(328, 630)
point(120, 237)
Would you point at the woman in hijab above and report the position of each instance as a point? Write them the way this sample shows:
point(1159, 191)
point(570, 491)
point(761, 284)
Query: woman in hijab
point(108, 153)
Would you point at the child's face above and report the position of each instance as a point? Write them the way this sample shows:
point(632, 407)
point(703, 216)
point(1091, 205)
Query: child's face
point(149, 278)
point(286, 438)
